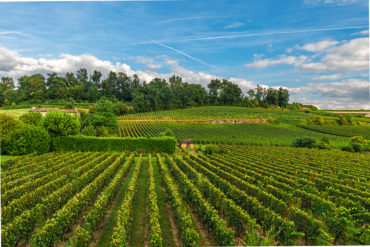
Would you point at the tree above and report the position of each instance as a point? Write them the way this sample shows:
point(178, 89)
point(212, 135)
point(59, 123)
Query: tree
point(103, 116)
point(6, 89)
point(32, 88)
point(230, 93)
point(272, 96)
point(283, 97)
point(214, 87)
point(56, 87)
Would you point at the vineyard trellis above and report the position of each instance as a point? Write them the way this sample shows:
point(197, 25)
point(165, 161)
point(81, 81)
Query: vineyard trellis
point(245, 195)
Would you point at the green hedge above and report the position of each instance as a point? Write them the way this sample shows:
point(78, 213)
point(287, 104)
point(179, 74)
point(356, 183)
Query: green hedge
point(88, 143)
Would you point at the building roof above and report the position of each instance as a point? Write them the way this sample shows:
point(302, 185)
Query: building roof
point(187, 141)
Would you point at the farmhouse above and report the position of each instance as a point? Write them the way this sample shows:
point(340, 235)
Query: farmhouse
point(186, 143)
point(44, 111)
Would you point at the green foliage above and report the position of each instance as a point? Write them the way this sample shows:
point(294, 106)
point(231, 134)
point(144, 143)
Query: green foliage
point(307, 142)
point(167, 132)
point(29, 140)
point(120, 108)
point(8, 125)
point(121, 232)
point(210, 149)
point(358, 139)
point(102, 115)
point(101, 131)
point(357, 144)
point(60, 124)
point(155, 231)
point(88, 130)
point(324, 144)
point(84, 143)
point(31, 118)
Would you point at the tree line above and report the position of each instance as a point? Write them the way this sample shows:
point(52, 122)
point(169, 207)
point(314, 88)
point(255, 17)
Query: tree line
point(158, 94)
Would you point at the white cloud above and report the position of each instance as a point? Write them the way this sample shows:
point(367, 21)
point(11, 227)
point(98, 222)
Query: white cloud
point(326, 77)
point(153, 66)
point(318, 46)
point(314, 2)
point(234, 25)
point(351, 56)
point(364, 32)
point(347, 94)
point(284, 59)
point(14, 65)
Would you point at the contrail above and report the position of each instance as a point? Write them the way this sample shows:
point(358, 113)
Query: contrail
point(182, 53)
point(270, 33)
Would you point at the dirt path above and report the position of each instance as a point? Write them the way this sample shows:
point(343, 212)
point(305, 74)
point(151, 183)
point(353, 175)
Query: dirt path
point(99, 231)
point(139, 235)
point(170, 232)
point(214, 121)
point(105, 234)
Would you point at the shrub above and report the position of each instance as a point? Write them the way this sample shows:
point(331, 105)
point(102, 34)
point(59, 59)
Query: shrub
point(88, 131)
point(61, 124)
point(324, 144)
point(210, 149)
point(101, 131)
point(358, 139)
point(8, 125)
point(87, 144)
point(307, 142)
point(318, 121)
point(31, 118)
point(357, 144)
point(167, 132)
point(33, 139)
point(120, 108)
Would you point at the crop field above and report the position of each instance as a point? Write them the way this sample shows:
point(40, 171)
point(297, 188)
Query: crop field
point(244, 195)
point(275, 134)
point(347, 131)
point(219, 112)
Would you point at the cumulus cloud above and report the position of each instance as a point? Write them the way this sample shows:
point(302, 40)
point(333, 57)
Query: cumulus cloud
point(284, 59)
point(319, 46)
point(326, 77)
point(234, 25)
point(351, 56)
point(347, 94)
point(14, 65)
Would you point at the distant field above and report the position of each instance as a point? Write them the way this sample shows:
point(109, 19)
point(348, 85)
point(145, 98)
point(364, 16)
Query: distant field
point(279, 134)
point(220, 112)
point(366, 112)
point(18, 112)
point(347, 131)
point(15, 112)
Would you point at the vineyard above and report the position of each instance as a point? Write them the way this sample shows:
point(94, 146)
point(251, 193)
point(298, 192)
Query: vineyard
point(220, 112)
point(281, 134)
point(347, 131)
point(244, 195)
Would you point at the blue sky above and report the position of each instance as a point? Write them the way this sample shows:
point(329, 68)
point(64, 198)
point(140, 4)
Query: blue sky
point(319, 49)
